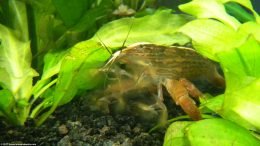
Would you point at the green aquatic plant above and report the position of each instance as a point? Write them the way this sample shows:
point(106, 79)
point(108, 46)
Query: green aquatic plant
point(34, 37)
point(216, 34)
point(235, 45)
point(218, 132)
point(38, 73)
point(15, 67)
point(236, 48)
point(79, 68)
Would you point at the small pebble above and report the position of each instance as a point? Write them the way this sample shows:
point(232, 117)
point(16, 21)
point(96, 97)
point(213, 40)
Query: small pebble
point(73, 124)
point(104, 130)
point(65, 141)
point(136, 130)
point(63, 129)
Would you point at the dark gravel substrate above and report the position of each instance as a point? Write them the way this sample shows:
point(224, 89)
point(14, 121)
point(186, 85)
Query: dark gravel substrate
point(75, 124)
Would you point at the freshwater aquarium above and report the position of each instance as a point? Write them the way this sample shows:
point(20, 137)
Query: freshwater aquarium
point(130, 72)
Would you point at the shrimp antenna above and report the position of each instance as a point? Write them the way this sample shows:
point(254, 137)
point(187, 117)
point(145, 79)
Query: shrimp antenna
point(103, 44)
point(116, 54)
point(110, 52)
point(127, 35)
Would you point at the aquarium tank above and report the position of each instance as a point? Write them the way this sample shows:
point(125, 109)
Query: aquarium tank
point(188, 71)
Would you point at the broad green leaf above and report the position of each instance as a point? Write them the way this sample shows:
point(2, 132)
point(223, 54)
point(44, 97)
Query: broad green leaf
point(241, 64)
point(159, 28)
point(7, 103)
point(175, 134)
point(19, 19)
point(15, 56)
point(52, 63)
point(213, 103)
point(242, 106)
point(16, 74)
point(88, 21)
point(247, 4)
point(85, 60)
point(242, 71)
point(251, 28)
point(210, 9)
point(15, 64)
point(71, 11)
point(79, 70)
point(249, 54)
point(210, 37)
point(219, 132)
point(237, 11)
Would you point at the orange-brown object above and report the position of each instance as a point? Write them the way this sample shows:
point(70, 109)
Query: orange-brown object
point(171, 67)
point(179, 91)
